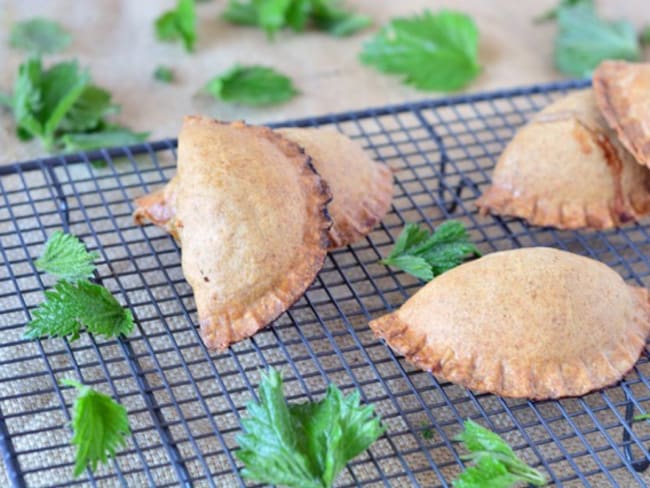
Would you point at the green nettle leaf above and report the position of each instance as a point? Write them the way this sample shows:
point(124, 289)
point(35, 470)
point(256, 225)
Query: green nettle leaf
point(61, 107)
point(179, 23)
point(109, 137)
point(70, 306)
point(430, 51)
point(65, 257)
point(425, 255)
point(27, 100)
point(274, 15)
point(99, 424)
point(303, 445)
point(330, 17)
point(495, 464)
point(164, 74)
point(39, 36)
point(89, 110)
point(252, 85)
point(584, 40)
point(242, 13)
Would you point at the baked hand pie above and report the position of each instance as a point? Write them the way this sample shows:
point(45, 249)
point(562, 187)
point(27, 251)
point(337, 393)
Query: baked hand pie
point(529, 323)
point(250, 213)
point(623, 95)
point(362, 189)
point(566, 169)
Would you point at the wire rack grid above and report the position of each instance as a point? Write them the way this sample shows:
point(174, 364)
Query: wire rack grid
point(185, 403)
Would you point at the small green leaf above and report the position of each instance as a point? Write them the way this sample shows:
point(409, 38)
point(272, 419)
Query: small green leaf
point(426, 256)
point(303, 445)
point(27, 100)
point(328, 16)
point(271, 15)
point(66, 257)
point(164, 74)
point(640, 417)
point(241, 13)
point(427, 433)
point(108, 138)
point(88, 111)
point(252, 85)
point(39, 36)
point(274, 15)
point(99, 424)
point(496, 464)
point(430, 51)
point(68, 307)
point(487, 473)
point(179, 23)
point(584, 40)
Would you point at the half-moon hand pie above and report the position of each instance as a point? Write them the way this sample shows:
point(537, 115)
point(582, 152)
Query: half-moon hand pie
point(362, 189)
point(623, 94)
point(250, 213)
point(529, 323)
point(566, 169)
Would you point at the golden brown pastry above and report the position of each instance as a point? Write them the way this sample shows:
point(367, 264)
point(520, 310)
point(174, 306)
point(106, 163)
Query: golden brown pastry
point(566, 169)
point(158, 207)
point(250, 216)
point(362, 189)
point(623, 94)
point(529, 323)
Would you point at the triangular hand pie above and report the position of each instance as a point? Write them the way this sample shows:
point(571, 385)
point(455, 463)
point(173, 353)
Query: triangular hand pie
point(623, 94)
point(529, 323)
point(566, 169)
point(362, 189)
point(249, 212)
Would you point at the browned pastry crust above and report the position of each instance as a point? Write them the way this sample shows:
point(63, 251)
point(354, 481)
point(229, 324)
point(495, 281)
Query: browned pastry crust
point(362, 189)
point(622, 92)
point(530, 323)
point(566, 169)
point(250, 213)
point(158, 208)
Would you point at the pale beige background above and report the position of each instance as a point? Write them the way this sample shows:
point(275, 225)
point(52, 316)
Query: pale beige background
point(115, 39)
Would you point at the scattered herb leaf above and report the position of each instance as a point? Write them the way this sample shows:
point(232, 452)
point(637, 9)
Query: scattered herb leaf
point(640, 417)
point(39, 36)
point(164, 74)
point(70, 306)
point(584, 40)
point(50, 103)
point(330, 17)
point(427, 433)
point(88, 111)
point(495, 463)
point(552, 13)
point(106, 138)
point(99, 424)
point(274, 15)
point(425, 255)
point(252, 85)
point(66, 257)
point(430, 51)
point(179, 23)
point(303, 445)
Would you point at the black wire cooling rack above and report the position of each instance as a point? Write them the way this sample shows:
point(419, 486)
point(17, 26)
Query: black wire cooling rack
point(185, 403)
